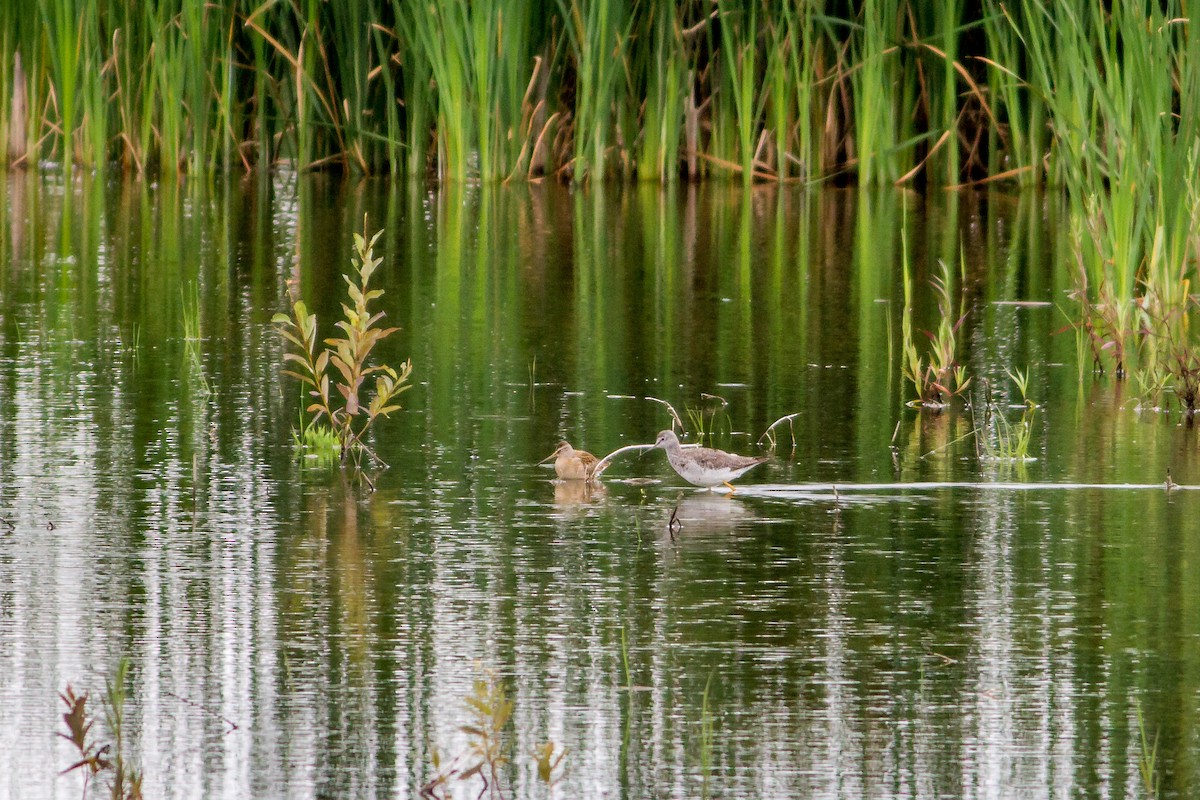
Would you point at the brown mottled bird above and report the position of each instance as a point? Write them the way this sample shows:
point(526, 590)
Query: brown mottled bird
point(571, 464)
point(704, 466)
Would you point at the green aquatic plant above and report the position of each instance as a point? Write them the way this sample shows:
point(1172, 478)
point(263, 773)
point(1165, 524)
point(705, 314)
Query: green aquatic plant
point(317, 441)
point(548, 758)
point(193, 338)
point(1184, 373)
point(704, 417)
point(1168, 359)
point(598, 33)
point(486, 753)
point(1147, 756)
point(111, 758)
point(348, 357)
point(1000, 439)
point(936, 375)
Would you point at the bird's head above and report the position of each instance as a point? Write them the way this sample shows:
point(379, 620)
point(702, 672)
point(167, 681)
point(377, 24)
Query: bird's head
point(564, 447)
point(666, 439)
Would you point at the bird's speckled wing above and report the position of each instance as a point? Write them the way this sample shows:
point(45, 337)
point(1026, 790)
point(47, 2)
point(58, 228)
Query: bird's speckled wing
point(709, 458)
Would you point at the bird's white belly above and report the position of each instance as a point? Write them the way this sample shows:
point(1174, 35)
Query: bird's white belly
point(695, 475)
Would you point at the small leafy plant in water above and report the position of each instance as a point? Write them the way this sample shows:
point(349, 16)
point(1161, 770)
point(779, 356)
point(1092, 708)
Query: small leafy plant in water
point(193, 338)
point(1168, 359)
point(1185, 370)
point(344, 414)
point(704, 417)
point(317, 441)
point(1000, 439)
point(485, 755)
point(1148, 756)
point(936, 376)
point(109, 759)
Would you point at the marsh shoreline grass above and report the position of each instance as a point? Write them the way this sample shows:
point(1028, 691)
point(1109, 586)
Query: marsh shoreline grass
point(878, 91)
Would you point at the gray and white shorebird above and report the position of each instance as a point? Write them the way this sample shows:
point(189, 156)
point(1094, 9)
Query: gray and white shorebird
point(704, 466)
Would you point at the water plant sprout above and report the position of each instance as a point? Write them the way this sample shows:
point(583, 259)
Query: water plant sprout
point(347, 356)
point(937, 376)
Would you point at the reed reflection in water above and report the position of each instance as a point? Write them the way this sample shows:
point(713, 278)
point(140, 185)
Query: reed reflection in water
point(292, 634)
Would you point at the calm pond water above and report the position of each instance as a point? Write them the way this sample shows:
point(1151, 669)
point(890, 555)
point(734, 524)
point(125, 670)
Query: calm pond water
point(291, 634)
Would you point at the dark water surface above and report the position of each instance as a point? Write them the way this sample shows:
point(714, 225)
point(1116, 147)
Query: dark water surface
point(291, 634)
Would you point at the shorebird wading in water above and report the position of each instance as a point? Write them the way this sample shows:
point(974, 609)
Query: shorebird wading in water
point(571, 464)
point(704, 466)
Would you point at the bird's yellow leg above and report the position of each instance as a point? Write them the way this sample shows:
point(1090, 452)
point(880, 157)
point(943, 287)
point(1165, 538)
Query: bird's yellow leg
point(730, 485)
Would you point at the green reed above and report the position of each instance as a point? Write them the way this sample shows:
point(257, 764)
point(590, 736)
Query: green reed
point(598, 32)
point(1116, 86)
point(665, 66)
point(876, 68)
point(193, 338)
point(1082, 94)
point(739, 46)
point(1147, 755)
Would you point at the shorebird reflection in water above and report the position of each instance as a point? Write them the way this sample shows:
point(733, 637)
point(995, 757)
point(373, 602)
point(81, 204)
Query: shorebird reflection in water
point(571, 464)
point(704, 466)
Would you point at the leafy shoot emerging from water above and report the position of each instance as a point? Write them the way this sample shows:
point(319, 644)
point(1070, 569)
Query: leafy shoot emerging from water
point(193, 338)
point(317, 441)
point(1148, 756)
point(1000, 439)
point(347, 357)
point(704, 418)
point(936, 375)
point(125, 781)
point(490, 711)
point(1185, 369)
point(485, 757)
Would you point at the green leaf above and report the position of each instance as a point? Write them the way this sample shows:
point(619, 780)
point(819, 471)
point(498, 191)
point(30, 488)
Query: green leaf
point(302, 378)
point(343, 367)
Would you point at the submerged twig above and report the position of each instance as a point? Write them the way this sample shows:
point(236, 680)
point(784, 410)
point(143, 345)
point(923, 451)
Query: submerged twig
point(604, 463)
point(674, 414)
point(233, 726)
point(770, 436)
